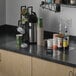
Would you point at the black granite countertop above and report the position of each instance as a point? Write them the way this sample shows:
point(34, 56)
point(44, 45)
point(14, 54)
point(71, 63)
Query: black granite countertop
point(8, 42)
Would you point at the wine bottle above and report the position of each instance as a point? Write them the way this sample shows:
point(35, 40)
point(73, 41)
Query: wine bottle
point(66, 41)
point(67, 36)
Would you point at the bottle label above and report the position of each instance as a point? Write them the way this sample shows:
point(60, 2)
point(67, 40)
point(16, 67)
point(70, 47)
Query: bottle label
point(59, 42)
point(54, 47)
point(65, 43)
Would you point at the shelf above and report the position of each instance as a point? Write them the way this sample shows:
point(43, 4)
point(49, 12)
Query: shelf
point(50, 6)
point(55, 7)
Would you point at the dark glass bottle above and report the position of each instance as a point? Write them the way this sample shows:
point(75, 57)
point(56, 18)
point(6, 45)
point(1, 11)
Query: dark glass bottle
point(66, 41)
point(67, 37)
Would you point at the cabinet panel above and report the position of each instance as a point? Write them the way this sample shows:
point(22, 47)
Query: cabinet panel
point(13, 64)
point(45, 68)
point(21, 65)
point(74, 71)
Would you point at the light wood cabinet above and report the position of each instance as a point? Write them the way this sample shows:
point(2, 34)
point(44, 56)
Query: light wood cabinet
point(46, 68)
point(74, 71)
point(13, 64)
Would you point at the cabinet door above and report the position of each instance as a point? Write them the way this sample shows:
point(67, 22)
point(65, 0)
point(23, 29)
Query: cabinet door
point(3, 63)
point(45, 68)
point(74, 71)
point(13, 64)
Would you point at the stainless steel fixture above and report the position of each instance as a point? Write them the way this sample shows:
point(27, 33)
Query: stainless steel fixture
point(32, 32)
point(32, 20)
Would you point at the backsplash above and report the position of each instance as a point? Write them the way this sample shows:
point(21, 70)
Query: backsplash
point(50, 18)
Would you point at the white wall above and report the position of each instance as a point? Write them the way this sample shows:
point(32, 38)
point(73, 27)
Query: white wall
point(2, 12)
point(50, 18)
point(13, 11)
point(70, 13)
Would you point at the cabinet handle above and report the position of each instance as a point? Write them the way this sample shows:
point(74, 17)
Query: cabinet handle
point(0, 57)
point(71, 73)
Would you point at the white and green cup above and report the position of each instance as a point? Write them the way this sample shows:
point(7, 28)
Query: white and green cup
point(18, 40)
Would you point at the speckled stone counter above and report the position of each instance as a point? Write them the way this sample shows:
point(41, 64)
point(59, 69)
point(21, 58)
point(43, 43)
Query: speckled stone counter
point(8, 43)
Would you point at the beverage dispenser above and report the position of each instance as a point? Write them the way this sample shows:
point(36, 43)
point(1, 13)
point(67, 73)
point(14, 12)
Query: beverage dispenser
point(28, 22)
